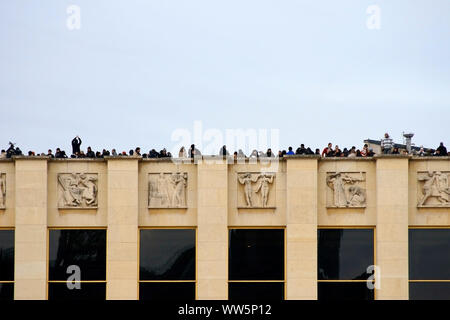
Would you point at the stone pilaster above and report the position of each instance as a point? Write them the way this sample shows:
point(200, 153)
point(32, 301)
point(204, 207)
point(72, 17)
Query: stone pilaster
point(122, 248)
point(30, 261)
point(392, 227)
point(212, 231)
point(301, 228)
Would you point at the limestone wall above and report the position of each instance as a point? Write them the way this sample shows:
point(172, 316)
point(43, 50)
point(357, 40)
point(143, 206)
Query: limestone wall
point(299, 193)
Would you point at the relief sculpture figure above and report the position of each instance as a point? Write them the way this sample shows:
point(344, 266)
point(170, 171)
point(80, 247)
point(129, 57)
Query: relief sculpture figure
point(89, 192)
point(162, 190)
point(246, 179)
point(2, 190)
point(352, 196)
point(77, 190)
point(167, 190)
point(179, 181)
point(265, 180)
point(435, 186)
point(357, 196)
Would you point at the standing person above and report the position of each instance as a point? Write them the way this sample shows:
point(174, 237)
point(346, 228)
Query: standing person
point(137, 151)
point(421, 152)
point(301, 149)
point(387, 144)
point(365, 150)
point(290, 151)
point(76, 143)
point(337, 151)
point(442, 149)
point(223, 151)
point(194, 152)
point(90, 153)
point(327, 152)
point(182, 153)
point(11, 150)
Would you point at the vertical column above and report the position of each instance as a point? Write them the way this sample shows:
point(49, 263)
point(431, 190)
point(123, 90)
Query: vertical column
point(30, 259)
point(392, 227)
point(212, 232)
point(301, 229)
point(122, 247)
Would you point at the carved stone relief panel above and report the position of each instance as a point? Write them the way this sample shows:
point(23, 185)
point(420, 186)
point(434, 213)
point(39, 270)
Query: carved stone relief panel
point(2, 190)
point(256, 189)
point(167, 190)
point(77, 190)
point(346, 189)
point(433, 189)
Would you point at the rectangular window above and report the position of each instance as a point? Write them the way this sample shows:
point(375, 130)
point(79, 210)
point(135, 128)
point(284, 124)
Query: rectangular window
point(6, 264)
point(429, 263)
point(256, 264)
point(343, 258)
point(77, 264)
point(167, 266)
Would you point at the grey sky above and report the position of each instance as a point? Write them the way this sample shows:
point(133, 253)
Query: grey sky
point(138, 70)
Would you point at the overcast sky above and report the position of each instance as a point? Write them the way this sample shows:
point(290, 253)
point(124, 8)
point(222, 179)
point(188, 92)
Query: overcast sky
point(138, 71)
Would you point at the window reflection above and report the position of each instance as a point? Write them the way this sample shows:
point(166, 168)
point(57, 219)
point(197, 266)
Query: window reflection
point(83, 248)
point(167, 254)
point(6, 255)
point(256, 254)
point(167, 264)
point(429, 259)
point(344, 254)
point(429, 254)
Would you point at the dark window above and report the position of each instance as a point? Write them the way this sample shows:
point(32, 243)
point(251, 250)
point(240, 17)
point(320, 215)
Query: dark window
point(344, 291)
point(167, 291)
point(6, 265)
point(87, 291)
point(256, 254)
point(6, 291)
point(256, 291)
point(345, 254)
point(429, 254)
point(6, 255)
point(167, 256)
point(83, 248)
point(429, 259)
point(429, 290)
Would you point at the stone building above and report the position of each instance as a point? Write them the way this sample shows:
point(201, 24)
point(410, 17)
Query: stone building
point(302, 227)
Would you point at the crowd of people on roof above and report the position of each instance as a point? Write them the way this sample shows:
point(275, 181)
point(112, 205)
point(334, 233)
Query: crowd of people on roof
point(386, 143)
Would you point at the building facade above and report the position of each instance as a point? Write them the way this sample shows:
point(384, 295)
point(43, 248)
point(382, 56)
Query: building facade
point(301, 227)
